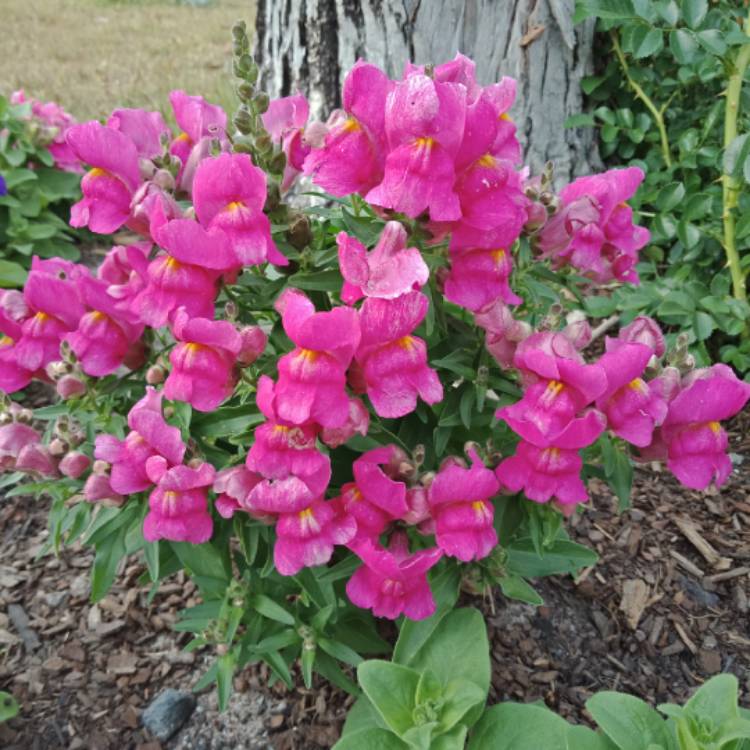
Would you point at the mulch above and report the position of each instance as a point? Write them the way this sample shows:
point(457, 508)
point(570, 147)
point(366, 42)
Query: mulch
point(665, 608)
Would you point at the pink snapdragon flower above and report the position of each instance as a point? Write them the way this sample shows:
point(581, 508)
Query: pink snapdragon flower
point(632, 409)
point(35, 458)
point(478, 277)
point(389, 270)
point(108, 187)
point(229, 193)
point(374, 499)
point(695, 441)
point(558, 386)
point(285, 121)
point(593, 230)
point(14, 437)
point(232, 487)
point(178, 506)
point(460, 503)
point(644, 330)
point(123, 280)
point(105, 334)
point(553, 470)
point(98, 489)
point(357, 423)
point(312, 378)
point(185, 276)
point(285, 454)
point(150, 436)
point(460, 69)
point(394, 362)
point(352, 158)
point(203, 372)
point(55, 123)
point(424, 121)
point(307, 537)
point(74, 464)
point(147, 130)
point(503, 332)
point(200, 123)
point(391, 581)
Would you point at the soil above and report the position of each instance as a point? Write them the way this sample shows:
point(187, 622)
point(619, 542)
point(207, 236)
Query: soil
point(664, 609)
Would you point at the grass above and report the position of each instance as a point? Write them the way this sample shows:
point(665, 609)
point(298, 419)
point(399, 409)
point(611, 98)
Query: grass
point(92, 56)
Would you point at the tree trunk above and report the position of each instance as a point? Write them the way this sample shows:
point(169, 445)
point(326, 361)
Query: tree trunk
point(309, 45)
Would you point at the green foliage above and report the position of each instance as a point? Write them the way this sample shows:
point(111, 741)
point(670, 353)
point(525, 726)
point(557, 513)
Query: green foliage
point(660, 102)
point(710, 720)
point(8, 706)
point(34, 213)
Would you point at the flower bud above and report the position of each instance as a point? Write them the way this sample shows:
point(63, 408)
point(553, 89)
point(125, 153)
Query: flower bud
point(98, 489)
point(58, 447)
point(25, 416)
point(644, 330)
point(163, 179)
point(278, 163)
point(300, 234)
point(147, 168)
point(253, 344)
point(243, 121)
point(578, 329)
point(261, 102)
point(74, 464)
point(100, 467)
point(155, 375)
point(69, 386)
point(245, 91)
point(56, 370)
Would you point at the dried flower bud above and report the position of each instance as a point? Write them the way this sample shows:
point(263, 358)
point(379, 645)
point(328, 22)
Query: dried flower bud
point(155, 375)
point(25, 416)
point(58, 447)
point(69, 386)
point(100, 467)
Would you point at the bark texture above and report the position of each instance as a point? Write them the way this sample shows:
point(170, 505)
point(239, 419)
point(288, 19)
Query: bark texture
point(309, 45)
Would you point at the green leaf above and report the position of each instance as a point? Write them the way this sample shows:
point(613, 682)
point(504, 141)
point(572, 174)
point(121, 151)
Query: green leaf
point(517, 726)
point(628, 721)
point(321, 281)
point(373, 738)
point(645, 42)
point(562, 557)
point(224, 675)
point(12, 274)
point(669, 11)
point(670, 196)
point(415, 633)
point(688, 234)
point(270, 609)
point(736, 154)
point(600, 307)
point(703, 325)
point(683, 45)
point(514, 587)
point(712, 40)
point(391, 689)
point(8, 706)
point(340, 651)
point(610, 10)
point(583, 738)
point(694, 12)
point(715, 700)
point(207, 564)
point(460, 697)
point(580, 120)
point(109, 552)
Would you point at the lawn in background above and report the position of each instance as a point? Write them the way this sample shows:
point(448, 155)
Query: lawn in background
point(92, 56)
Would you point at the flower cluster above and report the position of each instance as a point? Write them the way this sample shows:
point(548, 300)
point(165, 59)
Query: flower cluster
point(435, 156)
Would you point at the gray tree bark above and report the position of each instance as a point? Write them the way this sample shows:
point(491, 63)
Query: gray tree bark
point(309, 45)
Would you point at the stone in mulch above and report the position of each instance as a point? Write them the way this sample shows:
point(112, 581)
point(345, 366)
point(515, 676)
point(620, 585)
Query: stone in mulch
point(164, 716)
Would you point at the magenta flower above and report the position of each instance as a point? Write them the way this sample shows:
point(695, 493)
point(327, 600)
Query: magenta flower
point(285, 121)
point(478, 277)
point(14, 437)
point(392, 581)
point(460, 502)
point(123, 280)
point(424, 122)
point(494, 207)
point(184, 277)
point(98, 489)
point(150, 436)
point(502, 95)
point(35, 458)
point(200, 123)
point(644, 330)
point(109, 186)
point(394, 362)
point(374, 499)
point(232, 487)
point(351, 161)
point(695, 440)
point(632, 409)
point(74, 464)
point(357, 423)
point(145, 129)
point(306, 538)
point(203, 361)
point(312, 377)
point(105, 333)
point(229, 193)
point(151, 207)
point(178, 506)
point(503, 332)
point(286, 455)
point(388, 271)
point(593, 230)
point(559, 385)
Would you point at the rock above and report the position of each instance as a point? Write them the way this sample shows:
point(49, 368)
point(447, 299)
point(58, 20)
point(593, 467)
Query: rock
point(710, 661)
point(168, 712)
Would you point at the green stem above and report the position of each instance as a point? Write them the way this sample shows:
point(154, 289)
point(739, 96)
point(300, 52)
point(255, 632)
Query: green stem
point(658, 114)
point(730, 184)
